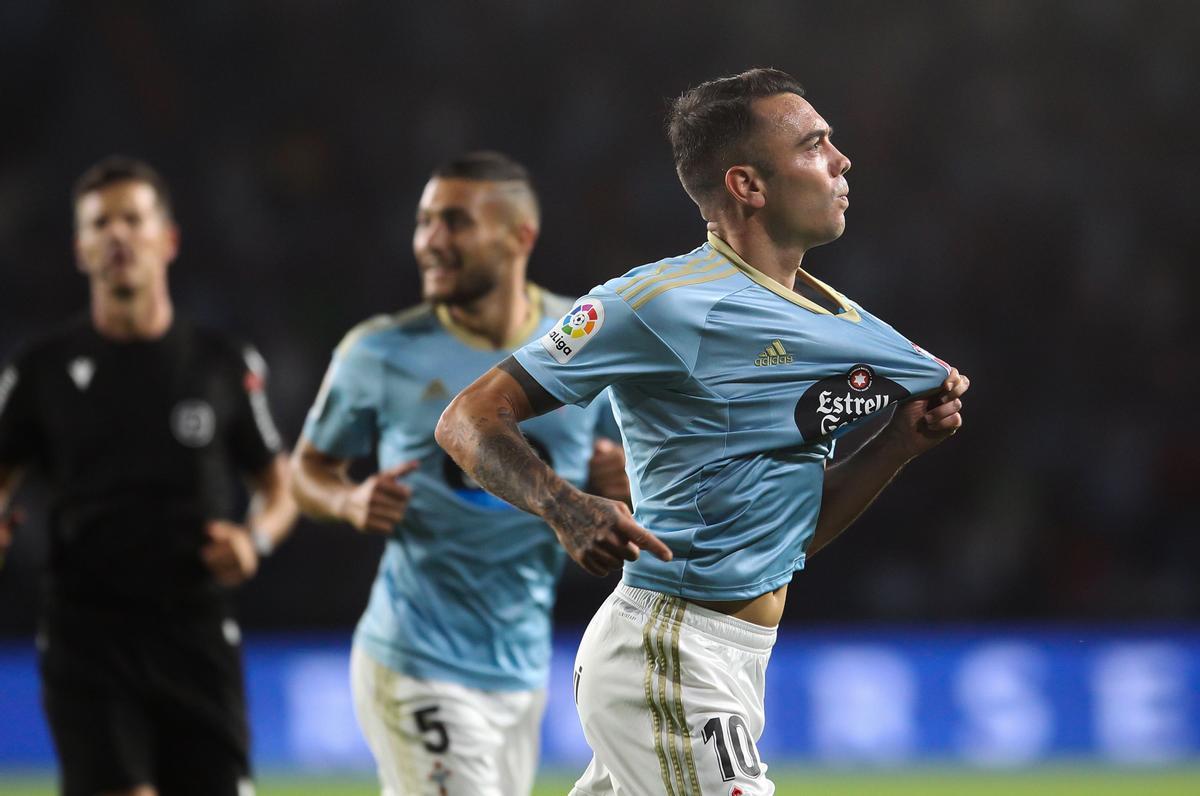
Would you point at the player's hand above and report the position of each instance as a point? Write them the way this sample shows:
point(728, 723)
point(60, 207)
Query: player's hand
point(606, 471)
point(9, 522)
point(380, 502)
point(600, 533)
point(229, 553)
point(920, 425)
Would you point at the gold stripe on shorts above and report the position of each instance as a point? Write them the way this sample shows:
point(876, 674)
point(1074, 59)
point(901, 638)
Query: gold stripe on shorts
point(393, 723)
point(656, 713)
point(665, 617)
point(677, 675)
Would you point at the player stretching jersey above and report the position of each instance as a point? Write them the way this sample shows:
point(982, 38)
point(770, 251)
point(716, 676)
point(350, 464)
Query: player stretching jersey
point(732, 372)
point(451, 657)
point(729, 394)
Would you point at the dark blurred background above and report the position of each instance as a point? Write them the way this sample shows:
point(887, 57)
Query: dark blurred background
point(1022, 184)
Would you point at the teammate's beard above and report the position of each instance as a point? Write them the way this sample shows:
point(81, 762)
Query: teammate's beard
point(123, 292)
point(471, 287)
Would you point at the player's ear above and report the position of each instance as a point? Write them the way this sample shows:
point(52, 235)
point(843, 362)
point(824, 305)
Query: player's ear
point(526, 235)
point(745, 186)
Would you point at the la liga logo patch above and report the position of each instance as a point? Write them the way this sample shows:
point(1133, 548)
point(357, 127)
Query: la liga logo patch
point(573, 332)
point(581, 321)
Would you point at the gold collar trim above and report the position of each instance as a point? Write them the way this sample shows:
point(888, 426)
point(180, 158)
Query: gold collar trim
point(519, 338)
point(848, 313)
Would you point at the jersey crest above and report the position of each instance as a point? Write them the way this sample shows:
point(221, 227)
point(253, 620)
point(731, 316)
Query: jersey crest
point(193, 422)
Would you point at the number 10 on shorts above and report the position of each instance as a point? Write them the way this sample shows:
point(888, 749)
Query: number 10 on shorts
point(731, 734)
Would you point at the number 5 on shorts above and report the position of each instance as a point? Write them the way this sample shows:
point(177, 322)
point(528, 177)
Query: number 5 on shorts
point(743, 746)
point(426, 723)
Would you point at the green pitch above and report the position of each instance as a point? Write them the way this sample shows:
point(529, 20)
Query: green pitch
point(906, 782)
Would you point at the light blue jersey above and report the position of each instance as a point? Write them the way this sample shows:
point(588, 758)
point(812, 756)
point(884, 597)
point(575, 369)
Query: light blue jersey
point(729, 390)
point(466, 583)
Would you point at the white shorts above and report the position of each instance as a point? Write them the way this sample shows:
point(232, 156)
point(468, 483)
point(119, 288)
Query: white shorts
point(670, 696)
point(437, 738)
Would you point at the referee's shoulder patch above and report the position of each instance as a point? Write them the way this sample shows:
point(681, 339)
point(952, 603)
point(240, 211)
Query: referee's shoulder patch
point(570, 334)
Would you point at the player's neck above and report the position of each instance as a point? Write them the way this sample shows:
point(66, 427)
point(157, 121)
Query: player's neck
point(146, 315)
point(500, 315)
point(762, 253)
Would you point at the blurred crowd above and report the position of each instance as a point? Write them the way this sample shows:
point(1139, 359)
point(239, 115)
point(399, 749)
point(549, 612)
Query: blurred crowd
point(1019, 206)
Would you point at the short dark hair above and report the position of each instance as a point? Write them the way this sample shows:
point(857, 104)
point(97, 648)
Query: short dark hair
point(490, 166)
point(483, 165)
point(708, 126)
point(119, 168)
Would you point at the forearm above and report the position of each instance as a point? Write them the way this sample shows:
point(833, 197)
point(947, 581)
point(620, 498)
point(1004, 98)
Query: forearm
point(480, 433)
point(319, 484)
point(851, 486)
point(916, 427)
point(273, 510)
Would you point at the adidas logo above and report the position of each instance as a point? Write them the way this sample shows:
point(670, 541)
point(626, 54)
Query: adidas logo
point(434, 391)
point(774, 354)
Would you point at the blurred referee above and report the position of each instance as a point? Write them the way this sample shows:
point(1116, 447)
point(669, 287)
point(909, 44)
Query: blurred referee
point(140, 422)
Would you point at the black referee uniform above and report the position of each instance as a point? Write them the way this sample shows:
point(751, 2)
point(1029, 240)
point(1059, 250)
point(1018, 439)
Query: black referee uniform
point(142, 443)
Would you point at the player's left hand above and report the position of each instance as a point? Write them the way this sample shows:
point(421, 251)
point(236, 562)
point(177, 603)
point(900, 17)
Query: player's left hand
point(229, 553)
point(606, 471)
point(920, 425)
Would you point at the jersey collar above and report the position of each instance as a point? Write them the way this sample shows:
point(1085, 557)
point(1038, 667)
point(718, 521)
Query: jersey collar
point(519, 338)
point(848, 313)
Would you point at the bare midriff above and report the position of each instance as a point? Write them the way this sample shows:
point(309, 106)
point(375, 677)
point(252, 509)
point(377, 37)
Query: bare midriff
point(765, 609)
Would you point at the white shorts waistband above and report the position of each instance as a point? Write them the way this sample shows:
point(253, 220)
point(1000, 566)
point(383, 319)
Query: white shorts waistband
point(712, 623)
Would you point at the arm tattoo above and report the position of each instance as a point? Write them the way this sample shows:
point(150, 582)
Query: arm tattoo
point(539, 399)
point(508, 468)
point(576, 519)
point(485, 440)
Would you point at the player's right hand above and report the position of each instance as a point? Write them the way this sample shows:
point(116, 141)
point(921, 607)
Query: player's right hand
point(600, 533)
point(379, 503)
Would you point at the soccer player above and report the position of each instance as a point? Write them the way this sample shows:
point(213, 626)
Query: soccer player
point(731, 371)
point(450, 659)
point(140, 421)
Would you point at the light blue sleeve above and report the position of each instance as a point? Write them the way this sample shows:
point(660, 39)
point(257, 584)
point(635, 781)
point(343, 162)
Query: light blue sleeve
point(599, 342)
point(605, 423)
point(342, 421)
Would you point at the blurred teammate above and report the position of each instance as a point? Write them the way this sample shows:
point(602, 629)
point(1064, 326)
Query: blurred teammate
point(140, 421)
point(732, 371)
point(451, 657)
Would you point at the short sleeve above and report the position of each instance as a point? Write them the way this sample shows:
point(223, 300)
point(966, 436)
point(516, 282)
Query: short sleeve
point(342, 421)
point(599, 342)
point(255, 438)
point(18, 421)
point(605, 421)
